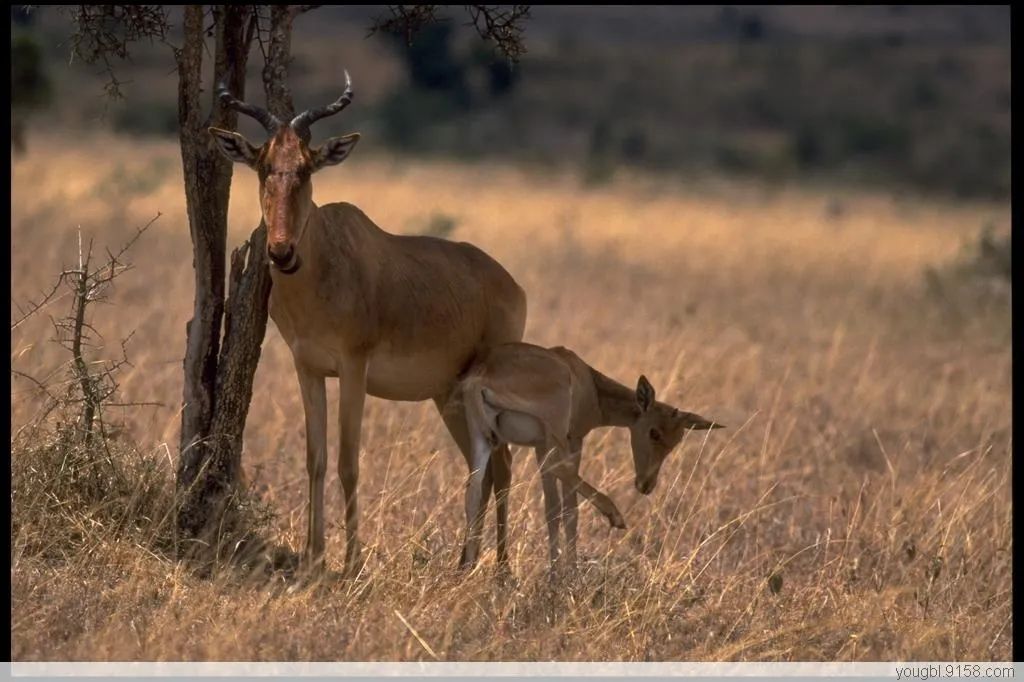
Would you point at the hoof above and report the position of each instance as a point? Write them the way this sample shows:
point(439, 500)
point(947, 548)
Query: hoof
point(617, 520)
point(505, 578)
point(466, 564)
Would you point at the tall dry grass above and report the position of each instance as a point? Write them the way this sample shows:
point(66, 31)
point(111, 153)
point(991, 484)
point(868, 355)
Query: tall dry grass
point(858, 507)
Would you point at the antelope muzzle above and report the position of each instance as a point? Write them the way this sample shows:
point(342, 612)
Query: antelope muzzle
point(283, 257)
point(647, 485)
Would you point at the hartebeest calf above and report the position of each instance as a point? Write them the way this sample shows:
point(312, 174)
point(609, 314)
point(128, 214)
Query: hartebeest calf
point(550, 399)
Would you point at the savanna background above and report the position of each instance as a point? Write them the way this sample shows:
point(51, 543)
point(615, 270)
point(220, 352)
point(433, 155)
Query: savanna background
point(793, 220)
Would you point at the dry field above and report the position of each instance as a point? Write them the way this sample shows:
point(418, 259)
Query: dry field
point(858, 506)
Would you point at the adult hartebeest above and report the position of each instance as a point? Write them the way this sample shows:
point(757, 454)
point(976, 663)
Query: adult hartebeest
point(550, 399)
point(398, 317)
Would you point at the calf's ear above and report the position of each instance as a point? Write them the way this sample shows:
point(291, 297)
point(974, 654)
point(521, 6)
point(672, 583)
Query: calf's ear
point(644, 393)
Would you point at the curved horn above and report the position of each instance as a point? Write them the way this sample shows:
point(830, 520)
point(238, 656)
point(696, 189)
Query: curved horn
point(269, 121)
point(301, 123)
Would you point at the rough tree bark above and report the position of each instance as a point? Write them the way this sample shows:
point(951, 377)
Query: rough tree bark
point(218, 376)
point(275, 72)
point(245, 321)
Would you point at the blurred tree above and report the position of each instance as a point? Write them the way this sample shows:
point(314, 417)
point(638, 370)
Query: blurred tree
point(501, 74)
point(500, 25)
point(30, 85)
point(218, 367)
point(431, 63)
point(444, 80)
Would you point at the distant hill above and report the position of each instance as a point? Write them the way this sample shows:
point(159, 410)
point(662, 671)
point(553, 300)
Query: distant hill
point(650, 26)
point(916, 97)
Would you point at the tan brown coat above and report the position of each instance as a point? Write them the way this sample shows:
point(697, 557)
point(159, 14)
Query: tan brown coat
point(398, 317)
point(550, 399)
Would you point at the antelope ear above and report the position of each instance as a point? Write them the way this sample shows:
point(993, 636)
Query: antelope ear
point(235, 147)
point(689, 420)
point(644, 393)
point(334, 151)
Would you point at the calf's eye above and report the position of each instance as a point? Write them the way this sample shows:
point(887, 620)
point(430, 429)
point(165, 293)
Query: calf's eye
point(655, 435)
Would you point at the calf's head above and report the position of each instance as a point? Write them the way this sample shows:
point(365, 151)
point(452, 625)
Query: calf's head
point(655, 432)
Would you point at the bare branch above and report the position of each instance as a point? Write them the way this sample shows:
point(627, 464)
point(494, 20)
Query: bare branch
point(90, 383)
point(38, 384)
point(501, 26)
point(261, 29)
point(139, 231)
point(252, 30)
point(104, 33)
point(406, 20)
point(498, 24)
point(47, 298)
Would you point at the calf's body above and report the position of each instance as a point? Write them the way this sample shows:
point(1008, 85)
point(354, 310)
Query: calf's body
point(550, 399)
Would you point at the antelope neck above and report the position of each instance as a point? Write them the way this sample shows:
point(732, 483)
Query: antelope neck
point(617, 403)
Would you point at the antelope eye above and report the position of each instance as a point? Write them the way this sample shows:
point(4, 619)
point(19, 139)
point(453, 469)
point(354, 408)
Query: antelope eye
point(655, 435)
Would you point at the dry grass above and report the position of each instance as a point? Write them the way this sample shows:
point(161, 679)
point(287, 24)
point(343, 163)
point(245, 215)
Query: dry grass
point(867, 463)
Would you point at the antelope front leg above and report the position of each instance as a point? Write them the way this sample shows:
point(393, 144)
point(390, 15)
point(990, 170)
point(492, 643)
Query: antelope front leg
point(570, 505)
point(552, 501)
point(564, 471)
point(314, 404)
point(350, 423)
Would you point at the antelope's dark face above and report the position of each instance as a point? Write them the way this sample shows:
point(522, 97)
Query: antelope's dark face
point(285, 164)
point(656, 432)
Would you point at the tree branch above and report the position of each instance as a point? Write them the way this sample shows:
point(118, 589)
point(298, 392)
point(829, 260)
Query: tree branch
point(104, 33)
point(496, 24)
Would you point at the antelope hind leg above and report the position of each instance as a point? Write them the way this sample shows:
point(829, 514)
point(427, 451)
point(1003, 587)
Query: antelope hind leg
point(454, 417)
point(478, 483)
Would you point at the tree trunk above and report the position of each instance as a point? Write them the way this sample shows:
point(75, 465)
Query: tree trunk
point(201, 478)
point(275, 72)
point(245, 325)
point(218, 386)
point(245, 321)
